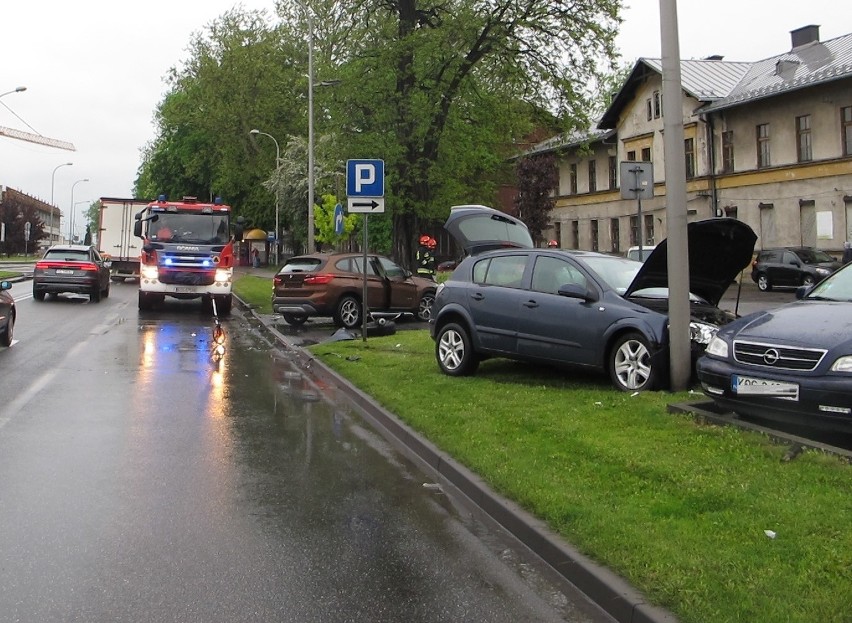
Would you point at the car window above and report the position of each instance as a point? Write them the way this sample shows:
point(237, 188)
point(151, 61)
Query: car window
point(551, 273)
point(506, 270)
point(391, 269)
point(837, 287)
point(301, 265)
point(68, 255)
point(791, 258)
point(813, 256)
point(356, 265)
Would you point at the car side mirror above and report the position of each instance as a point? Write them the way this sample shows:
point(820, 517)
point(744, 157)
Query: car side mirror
point(137, 228)
point(802, 291)
point(575, 291)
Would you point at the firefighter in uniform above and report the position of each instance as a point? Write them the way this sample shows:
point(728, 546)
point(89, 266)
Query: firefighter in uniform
point(426, 257)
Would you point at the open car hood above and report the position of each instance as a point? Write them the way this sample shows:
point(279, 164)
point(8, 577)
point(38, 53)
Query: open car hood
point(478, 228)
point(719, 249)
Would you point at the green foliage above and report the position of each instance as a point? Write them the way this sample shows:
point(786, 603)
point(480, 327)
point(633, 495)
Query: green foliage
point(14, 215)
point(324, 222)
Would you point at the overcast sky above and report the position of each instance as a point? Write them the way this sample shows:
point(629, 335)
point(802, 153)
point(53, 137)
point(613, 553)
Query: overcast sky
point(94, 73)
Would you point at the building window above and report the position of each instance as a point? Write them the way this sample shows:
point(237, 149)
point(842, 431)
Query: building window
point(593, 176)
point(595, 235)
point(846, 129)
point(557, 232)
point(613, 172)
point(658, 105)
point(575, 234)
point(631, 156)
point(763, 159)
point(803, 138)
point(646, 154)
point(572, 178)
point(634, 231)
point(613, 234)
point(728, 151)
point(649, 230)
point(649, 108)
point(689, 151)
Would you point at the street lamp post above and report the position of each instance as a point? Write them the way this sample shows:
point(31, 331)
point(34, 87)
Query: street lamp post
point(15, 90)
point(53, 205)
point(277, 168)
point(71, 220)
point(310, 132)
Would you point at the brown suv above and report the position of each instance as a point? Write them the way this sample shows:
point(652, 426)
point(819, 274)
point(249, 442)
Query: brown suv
point(322, 284)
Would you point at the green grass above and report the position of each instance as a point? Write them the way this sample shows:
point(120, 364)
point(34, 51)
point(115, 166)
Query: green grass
point(256, 291)
point(675, 507)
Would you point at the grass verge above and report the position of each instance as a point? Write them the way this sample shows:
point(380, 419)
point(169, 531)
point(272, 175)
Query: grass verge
point(677, 508)
point(256, 291)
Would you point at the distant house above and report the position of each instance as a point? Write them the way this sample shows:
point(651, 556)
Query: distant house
point(767, 142)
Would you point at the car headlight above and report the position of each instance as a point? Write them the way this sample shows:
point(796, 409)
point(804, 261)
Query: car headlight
point(823, 271)
point(701, 332)
point(223, 274)
point(843, 364)
point(717, 347)
point(150, 272)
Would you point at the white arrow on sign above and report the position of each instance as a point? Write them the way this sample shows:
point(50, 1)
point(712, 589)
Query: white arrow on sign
point(368, 205)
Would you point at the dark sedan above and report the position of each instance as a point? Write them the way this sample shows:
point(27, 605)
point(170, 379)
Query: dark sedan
point(577, 308)
point(7, 314)
point(73, 268)
point(792, 364)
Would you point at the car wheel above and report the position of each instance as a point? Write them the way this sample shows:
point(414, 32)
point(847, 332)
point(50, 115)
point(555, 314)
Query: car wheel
point(348, 312)
point(296, 320)
point(95, 295)
point(424, 310)
point(105, 293)
point(763, 283)
point(145, 302)
point(630, 364)
point(38, 295)
point(8, 332)
point(223, 305)
point(808, 280)
point(454, 351)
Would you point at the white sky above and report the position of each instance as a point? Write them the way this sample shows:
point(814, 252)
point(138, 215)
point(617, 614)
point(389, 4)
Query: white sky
point(94, 73)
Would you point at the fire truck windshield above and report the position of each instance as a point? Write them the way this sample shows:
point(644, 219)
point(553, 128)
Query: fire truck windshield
point(193, 228)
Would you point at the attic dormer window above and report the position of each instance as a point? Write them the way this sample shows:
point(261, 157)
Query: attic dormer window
point(786, 68)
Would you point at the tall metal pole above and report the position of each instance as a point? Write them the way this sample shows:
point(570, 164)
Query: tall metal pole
point(71, 220)
point(52, 204)
point(310, 132)
point(277, 169)
point(678, 250)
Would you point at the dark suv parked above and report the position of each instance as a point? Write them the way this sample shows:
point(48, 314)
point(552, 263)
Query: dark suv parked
point(791, 267)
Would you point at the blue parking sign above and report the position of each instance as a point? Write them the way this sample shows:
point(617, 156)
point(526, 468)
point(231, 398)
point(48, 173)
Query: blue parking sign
point(365, 178)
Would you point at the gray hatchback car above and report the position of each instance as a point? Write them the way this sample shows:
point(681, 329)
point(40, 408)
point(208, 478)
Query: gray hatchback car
point(576, 308)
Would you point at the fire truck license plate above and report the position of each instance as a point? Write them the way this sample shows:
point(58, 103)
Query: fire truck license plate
point(184, 289)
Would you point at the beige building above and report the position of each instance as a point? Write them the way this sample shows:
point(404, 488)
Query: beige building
point(767, 142)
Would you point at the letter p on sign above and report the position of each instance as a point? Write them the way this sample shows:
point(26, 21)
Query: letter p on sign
point(365, 178)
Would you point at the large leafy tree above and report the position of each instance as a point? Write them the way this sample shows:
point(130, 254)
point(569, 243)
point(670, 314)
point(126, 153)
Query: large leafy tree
point(538, 177)
point(14, 215)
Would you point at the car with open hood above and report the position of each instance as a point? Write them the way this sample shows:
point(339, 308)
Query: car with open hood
point(791, 364)
point(576, 308)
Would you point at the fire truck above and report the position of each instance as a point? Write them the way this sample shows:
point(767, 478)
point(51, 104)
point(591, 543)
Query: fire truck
point(187, 253)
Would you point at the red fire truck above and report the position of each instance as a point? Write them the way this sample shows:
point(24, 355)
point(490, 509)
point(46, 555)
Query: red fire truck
point(187, 252)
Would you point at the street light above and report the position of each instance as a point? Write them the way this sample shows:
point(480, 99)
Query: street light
point(310, 131)
point(71, 224)
point(52, 205)
point(16, 90)
point(277, 167)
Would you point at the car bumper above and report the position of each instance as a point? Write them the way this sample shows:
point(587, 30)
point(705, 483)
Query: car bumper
point(299, 307)
point(80, 286)
point(823, 402)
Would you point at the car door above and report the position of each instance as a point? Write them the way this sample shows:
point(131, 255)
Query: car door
point(789, 272)
point(103, 270)
point(493, 300)
point(401, 291)
point(560, 328)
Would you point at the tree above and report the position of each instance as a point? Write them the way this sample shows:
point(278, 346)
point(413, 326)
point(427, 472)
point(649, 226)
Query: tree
point(324, 216)
point(15, 215)
point(538, 177)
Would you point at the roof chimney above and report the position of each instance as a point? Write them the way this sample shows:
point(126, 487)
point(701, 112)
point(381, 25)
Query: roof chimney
point(714, 57)
point(804, 35)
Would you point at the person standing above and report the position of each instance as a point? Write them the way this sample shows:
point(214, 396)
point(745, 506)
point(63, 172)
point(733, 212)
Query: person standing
point(255, 258)
point(426, 257)
point(847, 252)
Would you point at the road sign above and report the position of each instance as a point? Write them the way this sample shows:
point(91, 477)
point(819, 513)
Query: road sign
point(368, 205)
point(338, 220)
point(637, 180)
point(27, 229)
point(365, 178)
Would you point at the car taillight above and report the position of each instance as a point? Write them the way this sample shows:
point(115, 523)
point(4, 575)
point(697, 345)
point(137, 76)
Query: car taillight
point(318, 280)
point(89, 266)
point(276, 281)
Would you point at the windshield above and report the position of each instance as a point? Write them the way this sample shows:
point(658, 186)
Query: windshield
point(837, 287)
point(194, 228)
point(617, 272)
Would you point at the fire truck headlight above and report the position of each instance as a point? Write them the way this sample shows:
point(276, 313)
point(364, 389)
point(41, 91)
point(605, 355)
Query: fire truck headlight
point(150, 272)
point(223, 274)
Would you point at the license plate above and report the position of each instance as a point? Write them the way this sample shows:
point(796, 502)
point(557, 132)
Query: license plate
point(184, 289)
point(64, 271)
point(750, 386)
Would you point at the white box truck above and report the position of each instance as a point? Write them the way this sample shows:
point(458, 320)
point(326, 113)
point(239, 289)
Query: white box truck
point(115, 236)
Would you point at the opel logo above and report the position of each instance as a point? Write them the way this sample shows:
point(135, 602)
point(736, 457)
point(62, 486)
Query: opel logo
point(771, 357)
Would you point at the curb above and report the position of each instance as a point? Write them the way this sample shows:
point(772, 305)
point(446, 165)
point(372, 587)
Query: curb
point(610, 592)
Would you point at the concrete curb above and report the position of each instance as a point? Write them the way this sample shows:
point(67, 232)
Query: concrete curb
point(609, 591)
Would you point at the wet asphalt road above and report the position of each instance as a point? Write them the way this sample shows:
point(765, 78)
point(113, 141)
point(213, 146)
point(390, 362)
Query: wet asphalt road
point(141, 481)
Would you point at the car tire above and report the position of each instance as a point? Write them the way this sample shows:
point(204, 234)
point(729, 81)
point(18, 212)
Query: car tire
point(7, 333)
point(297, 320)
point(38, 295)
point(145, 302)
point(808, 280)
point(630, 365)
point(454, 351)
point(347, 314)
point(763, 283)
point(105, 293)
point(424, 309)
point(95, 295)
